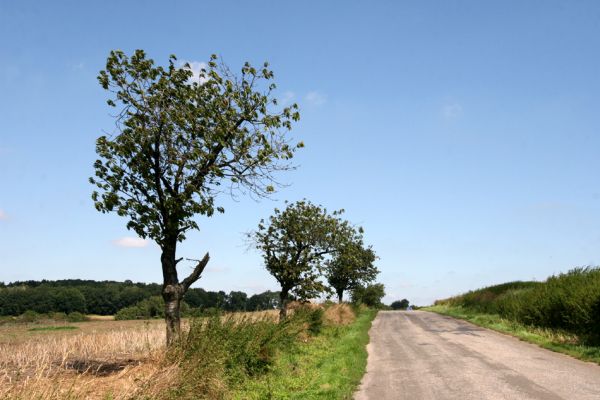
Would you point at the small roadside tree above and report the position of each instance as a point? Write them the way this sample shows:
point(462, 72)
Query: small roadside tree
point(294, 244)
point(351, 266)
point(369, 295)
point(180, 141)
point(400, 304)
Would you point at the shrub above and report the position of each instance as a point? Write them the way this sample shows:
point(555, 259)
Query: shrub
point(29, 316)
point(219, 353)
point(152, 307)
point(569, 301)
point(76, 317)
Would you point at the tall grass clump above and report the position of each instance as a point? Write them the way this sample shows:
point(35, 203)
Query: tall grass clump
point(221, 352)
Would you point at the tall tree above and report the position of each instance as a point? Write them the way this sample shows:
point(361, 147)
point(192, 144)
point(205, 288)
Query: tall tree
point(180, 141)
point(351, 266)
point(295, 243)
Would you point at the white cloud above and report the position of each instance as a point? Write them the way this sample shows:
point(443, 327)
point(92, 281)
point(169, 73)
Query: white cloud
point(129, 241)
point(3, 215)
point(196, 67)
point(315, 98)
point(452, 111)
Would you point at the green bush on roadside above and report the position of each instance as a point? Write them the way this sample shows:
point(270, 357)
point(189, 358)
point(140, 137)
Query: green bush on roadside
point(220, 352)
point(569, 301)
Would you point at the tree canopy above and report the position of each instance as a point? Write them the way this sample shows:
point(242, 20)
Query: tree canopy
point(370, 295)
point(180, 141)
point(295, 244)
point(351, 266)
point(400, 304)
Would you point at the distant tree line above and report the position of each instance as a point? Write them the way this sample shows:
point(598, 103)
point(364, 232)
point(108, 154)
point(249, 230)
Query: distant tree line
point(108, 297)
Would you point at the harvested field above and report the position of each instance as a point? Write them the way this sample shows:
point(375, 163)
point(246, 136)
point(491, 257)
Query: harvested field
point(91, 361)
point(98, 359)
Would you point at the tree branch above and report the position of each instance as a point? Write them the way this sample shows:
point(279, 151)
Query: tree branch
point(195, 275)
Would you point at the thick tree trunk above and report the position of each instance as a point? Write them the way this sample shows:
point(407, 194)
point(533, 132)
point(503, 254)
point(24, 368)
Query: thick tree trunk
point(172, 294)
point(283, 303)
point(340, 294)
point(173, 291)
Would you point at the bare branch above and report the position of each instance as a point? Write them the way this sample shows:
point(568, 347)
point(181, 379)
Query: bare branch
point(195, 275)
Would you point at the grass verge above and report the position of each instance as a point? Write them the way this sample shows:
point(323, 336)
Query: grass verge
point(551, 339)
point(327, 366)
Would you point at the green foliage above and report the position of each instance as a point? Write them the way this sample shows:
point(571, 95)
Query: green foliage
point(328, 366)
point(103, 298)
point(369, 295)
point(222, 352)
point(76, 316)
point(29, 316)
point(400, 304)
point(153, 307)
point(108, 297)
point(549, 338)
point(351, 265)
point(181, 139)
point(567, 301)
point(314, 317)
point(53, 328)
point(263, 301)
point(295, 243)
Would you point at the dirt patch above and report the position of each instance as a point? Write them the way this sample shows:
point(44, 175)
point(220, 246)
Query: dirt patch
point(99, 367)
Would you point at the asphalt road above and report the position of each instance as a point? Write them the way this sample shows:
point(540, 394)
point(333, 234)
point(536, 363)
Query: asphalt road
point(420, 355)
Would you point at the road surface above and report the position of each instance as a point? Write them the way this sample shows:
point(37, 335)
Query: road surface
point(420, 355)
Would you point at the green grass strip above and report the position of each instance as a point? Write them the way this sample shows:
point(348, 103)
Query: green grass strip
point(328, 366)
point(54, 328)
point(551, 339)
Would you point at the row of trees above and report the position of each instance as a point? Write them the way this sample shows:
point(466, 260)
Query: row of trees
point(303, 243)
point(107, 298)
point(181, 140)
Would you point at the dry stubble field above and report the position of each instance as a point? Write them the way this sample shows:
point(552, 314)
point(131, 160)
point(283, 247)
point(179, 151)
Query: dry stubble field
point(93, 360)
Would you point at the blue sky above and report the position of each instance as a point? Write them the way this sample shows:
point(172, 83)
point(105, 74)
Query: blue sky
point(463, 135)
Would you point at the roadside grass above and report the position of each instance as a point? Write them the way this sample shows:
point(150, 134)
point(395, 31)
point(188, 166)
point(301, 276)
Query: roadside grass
point(327, 366)
point(551, 339)
point(53, 328)
point(320, 354)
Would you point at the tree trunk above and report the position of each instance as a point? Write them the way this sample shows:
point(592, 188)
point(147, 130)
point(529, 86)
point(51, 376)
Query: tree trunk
point(340, 294)
point(283, 303)
point(172, 294)
point(172, 290)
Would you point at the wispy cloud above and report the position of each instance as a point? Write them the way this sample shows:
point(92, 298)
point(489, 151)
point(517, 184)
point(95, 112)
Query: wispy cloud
point(315, 98)
point(452, 110)
point(217, 268)
point(78, 66)
point(3, 215)
point(129, 241)
point(196, 67)
point(287, 98)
